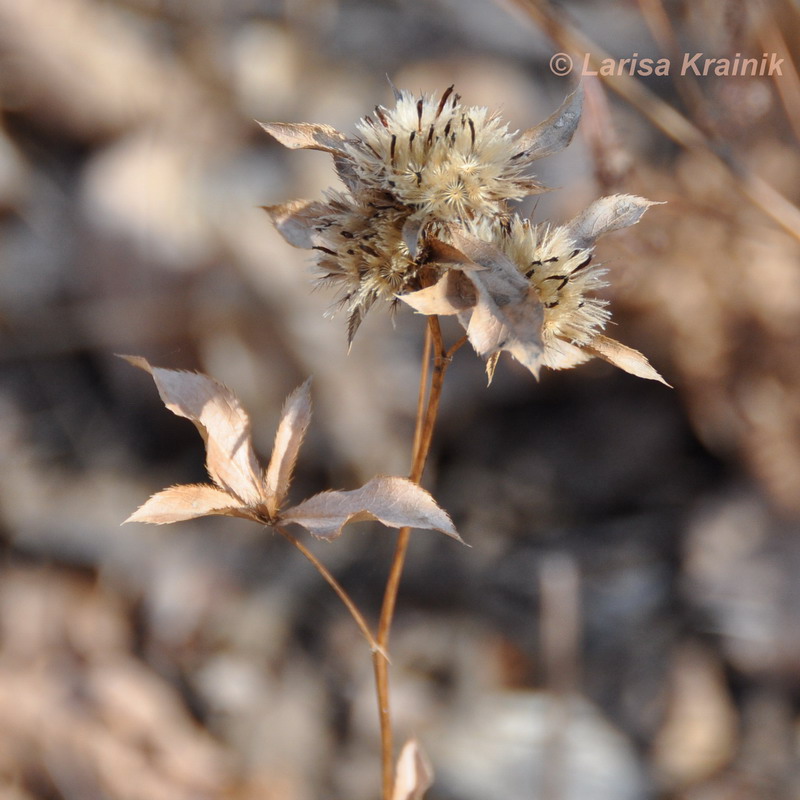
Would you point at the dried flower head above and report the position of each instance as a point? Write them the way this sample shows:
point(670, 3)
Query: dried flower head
point(411, 170)
point(453, 162)
point(426, 220)
point(525, 289)
point(563, 276)
point(360, 248)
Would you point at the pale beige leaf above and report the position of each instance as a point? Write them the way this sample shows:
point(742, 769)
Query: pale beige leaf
point(451, 294)
point(485, 258)
point(414, 775)
point(179, 503)
point(394, 502)
point(296, 221)
point(486, 329)
point(412, 228)
point(306, 136)
point(295, 417)
point(508, 314)
point(222, 422)
point(491, 366)
point(626, 358)
point(556, 132)
point(605, 215)
point(500, 312)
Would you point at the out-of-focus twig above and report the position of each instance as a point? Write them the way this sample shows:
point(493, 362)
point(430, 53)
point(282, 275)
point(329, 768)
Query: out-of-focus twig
point(612, 162)
point(661, 114)
point(662, 30)
point(788, 85)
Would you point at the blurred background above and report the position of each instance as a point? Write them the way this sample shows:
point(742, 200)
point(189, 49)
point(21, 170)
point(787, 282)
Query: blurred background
point(627, 622)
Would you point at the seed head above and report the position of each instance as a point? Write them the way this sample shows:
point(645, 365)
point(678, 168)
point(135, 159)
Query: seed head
point(447, 161)
point(361, 251)
point(439, 158)
point(564, 277)
point(426, 219)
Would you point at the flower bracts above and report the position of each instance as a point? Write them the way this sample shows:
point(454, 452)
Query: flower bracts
point(425, 219)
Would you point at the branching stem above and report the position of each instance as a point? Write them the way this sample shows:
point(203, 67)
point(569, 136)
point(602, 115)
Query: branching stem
point(336, 586)
point(427, 410)
point(423, 435)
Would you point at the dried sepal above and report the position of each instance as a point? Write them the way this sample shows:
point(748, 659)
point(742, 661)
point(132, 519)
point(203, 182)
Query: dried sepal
point(624, 357)
point(411, 233)
point(306, 136)
point(394, 502)
point(453, 293)
point(296, 221)
point(414, 774)
point(491, 366)
point(501, 312)
point(556, 132)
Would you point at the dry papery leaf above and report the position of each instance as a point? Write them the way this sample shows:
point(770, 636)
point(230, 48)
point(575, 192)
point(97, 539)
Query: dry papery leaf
point(501, 311)
point(414, 774)
point(556, 132)
point(244, 489)
point(395, 502)
point(306, 136)
point(605, 215)
point(624, 357)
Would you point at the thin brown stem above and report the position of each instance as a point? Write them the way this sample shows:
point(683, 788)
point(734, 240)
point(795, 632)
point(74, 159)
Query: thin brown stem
point(423, 435)
point(337, 587)
point(423, 385)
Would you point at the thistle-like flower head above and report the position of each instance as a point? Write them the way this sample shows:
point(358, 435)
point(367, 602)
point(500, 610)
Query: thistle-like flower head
point(411, 171)
point(527, 289)
point(426, 220)
point(448, 161)
point(564, 277)
point(360, 248)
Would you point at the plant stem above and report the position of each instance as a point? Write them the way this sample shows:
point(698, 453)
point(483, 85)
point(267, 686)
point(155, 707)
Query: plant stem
point(336, 586)
point(423, 435)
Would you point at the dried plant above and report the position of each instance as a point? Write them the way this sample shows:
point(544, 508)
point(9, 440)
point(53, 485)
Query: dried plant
point(427, 221)
point(423, 219)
